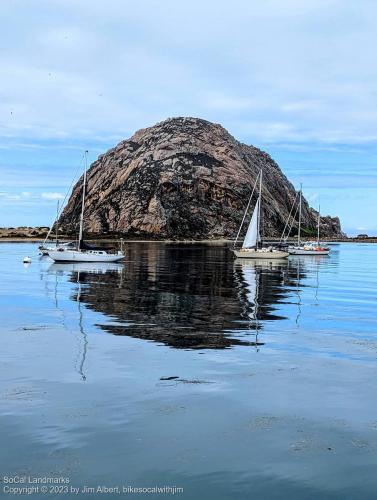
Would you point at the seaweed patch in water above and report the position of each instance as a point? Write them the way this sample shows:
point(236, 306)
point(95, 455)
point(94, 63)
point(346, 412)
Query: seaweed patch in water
point(33, 328)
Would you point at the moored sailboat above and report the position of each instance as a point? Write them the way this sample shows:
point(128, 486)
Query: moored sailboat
point(252, 247)
point(49, 245)
point(311, 247)
point(84, 252)
point(46, 247)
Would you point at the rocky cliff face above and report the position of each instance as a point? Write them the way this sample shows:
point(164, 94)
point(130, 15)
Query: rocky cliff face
point(183, 178)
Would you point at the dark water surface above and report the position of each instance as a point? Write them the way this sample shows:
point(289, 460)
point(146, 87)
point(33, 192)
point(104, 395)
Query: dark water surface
point(276, 364)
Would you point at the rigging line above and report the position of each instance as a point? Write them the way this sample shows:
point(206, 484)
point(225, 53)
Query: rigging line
point(65, 198)
point(293, 219)
point(289, 216)
point(291, 225)
point(247, 209)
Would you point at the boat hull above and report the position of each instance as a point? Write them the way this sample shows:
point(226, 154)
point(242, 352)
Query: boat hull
point(45, 250)
point(302, 251)
point(260, 254)
point(77, 256)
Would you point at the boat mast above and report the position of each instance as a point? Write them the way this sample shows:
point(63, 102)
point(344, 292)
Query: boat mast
point(245, 213)
point(319, 216)
point(56, 223)
point(299, 218)
point(259, 211)
point(83, 199)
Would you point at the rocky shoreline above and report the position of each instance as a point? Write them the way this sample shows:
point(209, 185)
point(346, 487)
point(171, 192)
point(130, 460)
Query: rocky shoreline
point(24, 233)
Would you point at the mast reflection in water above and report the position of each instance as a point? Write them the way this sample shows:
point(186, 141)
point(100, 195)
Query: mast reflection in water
point(191, 296)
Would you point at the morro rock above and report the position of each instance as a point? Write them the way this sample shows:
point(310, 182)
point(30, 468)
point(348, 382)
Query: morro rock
point(183, 178)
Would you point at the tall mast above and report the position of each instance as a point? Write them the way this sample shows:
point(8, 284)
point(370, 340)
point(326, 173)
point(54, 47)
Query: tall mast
point(83, 199)
point(319, 216)
point(56, 222)
point(299, 218)
point(259, 211)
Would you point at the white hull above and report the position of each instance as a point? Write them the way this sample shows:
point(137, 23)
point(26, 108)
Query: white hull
point(264, 254)
point(45, 249)
point(84, 256)
point(302, 251)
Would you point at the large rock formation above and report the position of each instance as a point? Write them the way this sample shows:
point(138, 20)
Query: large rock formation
point(183, 178)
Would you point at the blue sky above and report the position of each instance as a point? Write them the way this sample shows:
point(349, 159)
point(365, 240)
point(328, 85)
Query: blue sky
point(297, 79)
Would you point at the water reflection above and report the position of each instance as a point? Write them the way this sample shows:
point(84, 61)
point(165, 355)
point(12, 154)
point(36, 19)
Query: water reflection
point(84, 267)
point(300, 263)
point(191, 297)
point(80, 362)
point(255, 280)
point(75, 272)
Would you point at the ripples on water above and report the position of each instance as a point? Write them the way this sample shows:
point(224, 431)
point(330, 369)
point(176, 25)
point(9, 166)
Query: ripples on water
point(274, 367)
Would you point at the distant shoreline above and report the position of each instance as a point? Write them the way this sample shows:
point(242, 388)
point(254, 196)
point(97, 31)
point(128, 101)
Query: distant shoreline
point(33, 239)
point(38, 234)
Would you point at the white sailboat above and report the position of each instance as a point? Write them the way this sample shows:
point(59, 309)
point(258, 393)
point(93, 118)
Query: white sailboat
point(84, 252)
point(46, 247)
point(311, 247)
point(252, 245)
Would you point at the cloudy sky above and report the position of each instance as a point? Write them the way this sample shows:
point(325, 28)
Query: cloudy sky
point(297, 79)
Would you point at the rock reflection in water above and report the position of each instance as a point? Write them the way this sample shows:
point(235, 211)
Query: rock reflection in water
point(192, 296)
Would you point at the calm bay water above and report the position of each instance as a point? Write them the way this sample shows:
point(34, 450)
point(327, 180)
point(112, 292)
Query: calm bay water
point(276, 364)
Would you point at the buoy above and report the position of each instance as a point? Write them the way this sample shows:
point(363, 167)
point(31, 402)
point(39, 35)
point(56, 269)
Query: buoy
point(27, 260)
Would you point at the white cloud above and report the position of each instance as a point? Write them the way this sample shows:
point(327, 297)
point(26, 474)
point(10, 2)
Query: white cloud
point(292, 77)
point(12, 196)
point(270, 62)
point(52, 196)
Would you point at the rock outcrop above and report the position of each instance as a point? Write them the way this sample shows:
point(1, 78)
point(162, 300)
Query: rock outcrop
point(184, 178)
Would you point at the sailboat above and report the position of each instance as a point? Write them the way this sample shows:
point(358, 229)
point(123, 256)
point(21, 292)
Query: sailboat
point(84, 252)
point(45, 248)
point(252, 244)
point(312, 247)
